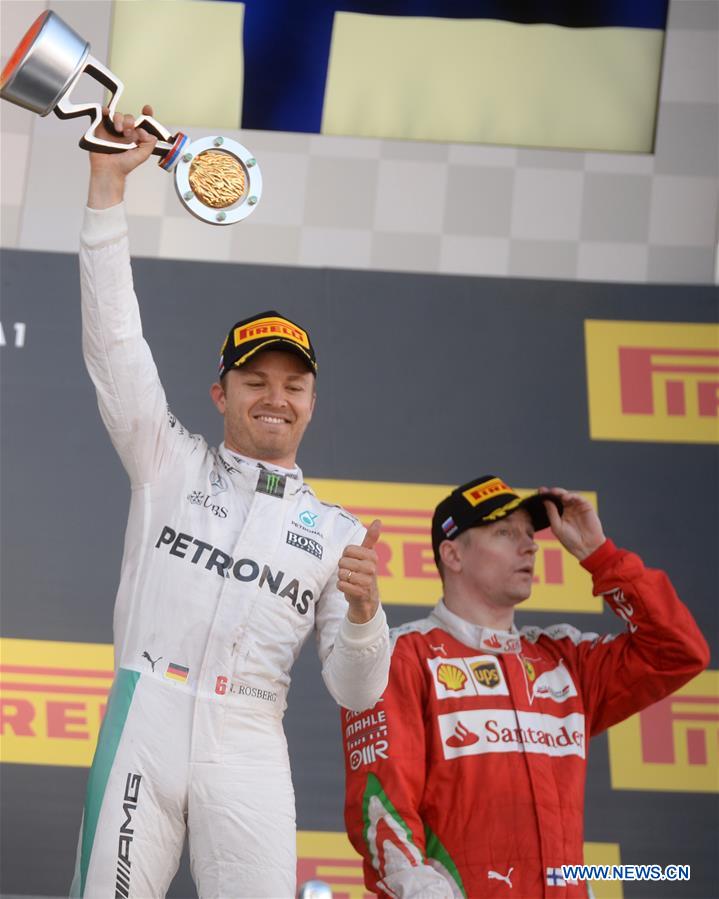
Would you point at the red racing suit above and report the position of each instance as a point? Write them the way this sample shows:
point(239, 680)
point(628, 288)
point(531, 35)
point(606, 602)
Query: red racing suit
point(467, 777)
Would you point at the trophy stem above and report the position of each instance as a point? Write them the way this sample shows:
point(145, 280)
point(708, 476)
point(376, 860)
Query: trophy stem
point(168, 145)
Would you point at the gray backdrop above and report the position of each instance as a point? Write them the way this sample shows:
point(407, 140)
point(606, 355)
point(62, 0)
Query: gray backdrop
point(423, 379)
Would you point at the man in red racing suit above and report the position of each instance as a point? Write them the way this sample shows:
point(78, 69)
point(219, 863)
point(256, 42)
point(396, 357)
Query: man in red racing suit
point(467, 777)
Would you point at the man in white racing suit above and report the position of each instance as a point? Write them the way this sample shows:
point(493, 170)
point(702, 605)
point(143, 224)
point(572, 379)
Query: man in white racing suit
point(230, 562)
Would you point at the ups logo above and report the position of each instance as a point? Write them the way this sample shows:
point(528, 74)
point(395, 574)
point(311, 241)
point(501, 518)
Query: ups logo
point(486, 673)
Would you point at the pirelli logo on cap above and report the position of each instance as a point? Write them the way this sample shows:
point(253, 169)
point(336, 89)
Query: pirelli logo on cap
point(478, 494)
point(653, 381)
point(271, 327)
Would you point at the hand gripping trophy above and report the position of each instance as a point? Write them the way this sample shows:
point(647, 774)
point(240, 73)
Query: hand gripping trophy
point(216, 178)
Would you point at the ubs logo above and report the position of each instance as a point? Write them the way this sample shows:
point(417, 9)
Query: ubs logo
point(198, 498)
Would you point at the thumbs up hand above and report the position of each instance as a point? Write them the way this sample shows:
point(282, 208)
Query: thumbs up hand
point(357, 576)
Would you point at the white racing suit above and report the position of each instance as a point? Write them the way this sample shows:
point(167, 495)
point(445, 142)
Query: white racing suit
point(228, 567)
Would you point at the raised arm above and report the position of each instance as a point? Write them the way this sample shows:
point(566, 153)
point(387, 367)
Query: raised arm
point(662, 647)
point(661, 650)
point(130, 396)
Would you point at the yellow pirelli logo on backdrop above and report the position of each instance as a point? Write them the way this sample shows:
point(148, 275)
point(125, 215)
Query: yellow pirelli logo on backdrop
point(328, 856)
point(672, 745)
point(52, 700)
point(407, 573)
point(653, 381)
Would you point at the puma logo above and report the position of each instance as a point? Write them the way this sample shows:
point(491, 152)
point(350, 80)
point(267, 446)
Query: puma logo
point(495, 875)
point(146, 655)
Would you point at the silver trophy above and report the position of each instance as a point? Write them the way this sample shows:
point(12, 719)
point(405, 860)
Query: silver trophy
point(216, 178)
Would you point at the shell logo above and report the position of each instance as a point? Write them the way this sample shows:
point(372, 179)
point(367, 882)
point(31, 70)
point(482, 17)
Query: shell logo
point(451, 677)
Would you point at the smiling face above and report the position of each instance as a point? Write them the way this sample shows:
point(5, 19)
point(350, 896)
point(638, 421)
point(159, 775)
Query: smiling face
point(490, 568)
point(267, 404)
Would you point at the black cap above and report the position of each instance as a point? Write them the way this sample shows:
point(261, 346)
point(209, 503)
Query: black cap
point(265, 331)
point(483, 501)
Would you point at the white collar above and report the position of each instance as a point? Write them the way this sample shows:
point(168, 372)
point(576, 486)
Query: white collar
point(295, 472)
point(474, 635)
